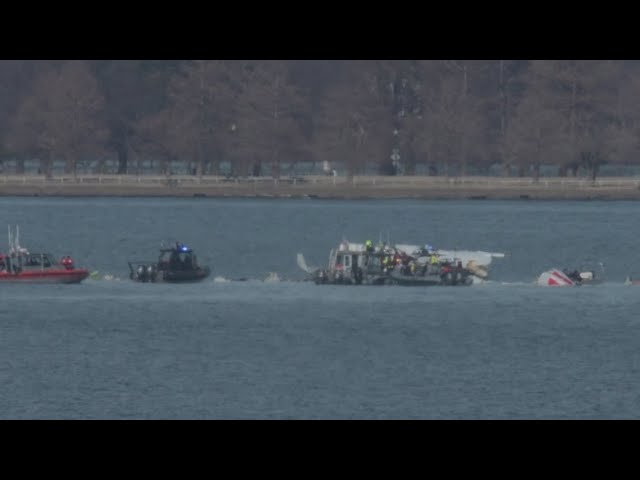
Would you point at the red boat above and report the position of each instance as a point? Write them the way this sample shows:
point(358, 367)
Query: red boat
point(22, 266)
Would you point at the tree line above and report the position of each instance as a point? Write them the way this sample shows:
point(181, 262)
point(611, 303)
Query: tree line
point(436, 117)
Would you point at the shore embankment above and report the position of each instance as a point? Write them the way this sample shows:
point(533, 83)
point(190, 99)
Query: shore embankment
point(324, 187)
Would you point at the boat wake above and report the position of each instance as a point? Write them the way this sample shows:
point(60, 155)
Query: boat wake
point(220, 279)
point(104, 276)
point(273, 277)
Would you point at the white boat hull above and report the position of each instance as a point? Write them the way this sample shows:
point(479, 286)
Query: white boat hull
point(554, 278)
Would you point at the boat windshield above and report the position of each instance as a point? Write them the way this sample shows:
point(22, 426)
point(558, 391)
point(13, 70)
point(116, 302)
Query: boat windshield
point(179, 259)
point(38, 260)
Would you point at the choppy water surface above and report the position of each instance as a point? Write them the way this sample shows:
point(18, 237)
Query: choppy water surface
point(111, 348)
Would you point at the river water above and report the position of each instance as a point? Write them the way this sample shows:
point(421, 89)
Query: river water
point(274, 346)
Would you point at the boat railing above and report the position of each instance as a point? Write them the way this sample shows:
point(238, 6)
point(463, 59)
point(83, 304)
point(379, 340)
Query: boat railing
point(397, 181)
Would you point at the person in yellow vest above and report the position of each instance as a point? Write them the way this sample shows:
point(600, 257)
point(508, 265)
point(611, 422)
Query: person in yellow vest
point(368, 246)
point(434, 263)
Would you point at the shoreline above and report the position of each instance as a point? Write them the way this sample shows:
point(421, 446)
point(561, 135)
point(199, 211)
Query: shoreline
point(423, 188)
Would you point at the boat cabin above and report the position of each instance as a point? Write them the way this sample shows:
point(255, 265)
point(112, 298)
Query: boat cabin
point(348, 256)
point(43, 260)
point(367, 261)
point(179, 257)
point(175, 264)
point(27, 260)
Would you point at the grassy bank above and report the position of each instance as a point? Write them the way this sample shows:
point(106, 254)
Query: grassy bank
point(551, 188)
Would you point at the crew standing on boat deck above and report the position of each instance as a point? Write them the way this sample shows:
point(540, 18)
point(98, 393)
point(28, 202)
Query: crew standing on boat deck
point(434, 260)
point(368, 246)
point(67, 262)
point(397, 258)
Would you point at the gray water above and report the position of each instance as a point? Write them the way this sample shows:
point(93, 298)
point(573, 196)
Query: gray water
point(111, 348)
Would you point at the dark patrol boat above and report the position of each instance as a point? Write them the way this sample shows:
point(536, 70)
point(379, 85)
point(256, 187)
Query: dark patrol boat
point(177, 264)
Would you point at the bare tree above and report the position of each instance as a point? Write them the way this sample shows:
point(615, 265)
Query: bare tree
point(268, 115)
point(199, 113)
point(152, 138)
point(133, 89)
point(16, 82)
point(353, 124)
point(62, 117)
point(455, 119)
point(459, 115)
point(625, 117)
point(534, 136)
point(583, 92)
point(509, 93)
